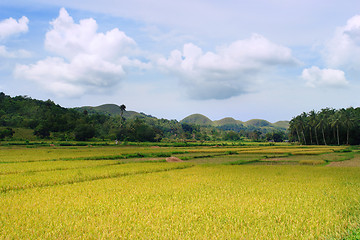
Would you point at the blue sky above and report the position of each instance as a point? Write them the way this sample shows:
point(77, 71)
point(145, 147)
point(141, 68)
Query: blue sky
point(269, 59)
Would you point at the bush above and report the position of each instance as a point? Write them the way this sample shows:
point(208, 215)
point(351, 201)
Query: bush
point(84, 132)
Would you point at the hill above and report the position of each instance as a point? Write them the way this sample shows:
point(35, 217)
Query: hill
point(227, 121)
point(282, 124)
point(258, 123)
point(230, 123)
point(112, 110)
point(197, 119)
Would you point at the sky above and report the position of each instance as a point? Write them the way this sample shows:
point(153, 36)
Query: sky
point(246, 59)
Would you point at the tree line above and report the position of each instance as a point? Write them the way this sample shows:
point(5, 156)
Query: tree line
point(327, 127)
point(48, 120)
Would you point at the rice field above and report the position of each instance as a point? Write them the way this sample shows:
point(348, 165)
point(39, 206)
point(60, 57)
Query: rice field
point(247, 192)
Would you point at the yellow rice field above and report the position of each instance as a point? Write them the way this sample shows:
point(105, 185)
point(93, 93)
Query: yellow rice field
point(44, 196)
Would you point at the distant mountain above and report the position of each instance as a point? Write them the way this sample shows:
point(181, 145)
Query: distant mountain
point(227, 123)
point(282, 124)
point(197, 119)
point(258, 123)
point(233, 124)
point(112, 110)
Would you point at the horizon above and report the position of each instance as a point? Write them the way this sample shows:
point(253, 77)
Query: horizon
point(245, 60)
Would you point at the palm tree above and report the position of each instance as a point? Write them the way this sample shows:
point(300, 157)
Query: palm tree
point(348, 121)
point(122, 109)
point(312, 123)
point(302, 123)
point(294, 126)
point(335, 121)
point(322, 124)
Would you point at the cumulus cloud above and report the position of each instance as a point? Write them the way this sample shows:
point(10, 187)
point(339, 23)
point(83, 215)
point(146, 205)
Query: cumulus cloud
point(12, 26)
point(86, 60)
point(343, 50)
point(9, 27)
point(227, 72)
point(13, 54)
point(316, 77)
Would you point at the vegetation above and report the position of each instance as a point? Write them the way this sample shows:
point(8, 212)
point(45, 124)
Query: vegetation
point(218, 192)
point(327, 127)
point(46, 120)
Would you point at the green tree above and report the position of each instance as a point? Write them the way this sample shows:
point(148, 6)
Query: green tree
point(231, 136)
point(348, 120)
point(6, 133)
point(335, 121)
point(84, 132)
point(322, 123)
point(42, 131)
point(313, 119)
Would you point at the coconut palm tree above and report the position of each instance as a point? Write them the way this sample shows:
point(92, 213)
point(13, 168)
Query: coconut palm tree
point(322, 123)
point(295, 125)
point(122, 109)
point(335, 121)
point(302, 124)
point(313, 119)
point(347, 120)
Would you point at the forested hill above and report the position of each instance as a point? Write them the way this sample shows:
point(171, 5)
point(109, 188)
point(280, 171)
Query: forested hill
point(231, 124)
point(112, 110)
point(47, 120)
point(195, 119)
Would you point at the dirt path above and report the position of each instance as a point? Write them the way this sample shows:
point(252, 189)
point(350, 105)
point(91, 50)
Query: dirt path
point(348, 163)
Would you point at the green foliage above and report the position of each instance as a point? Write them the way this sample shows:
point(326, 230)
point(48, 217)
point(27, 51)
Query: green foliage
point(84, 132)
point(232, 136)
point(46, 120)
point(6, 133)
point(42, 131)
point(328, 126)
point(277, 136)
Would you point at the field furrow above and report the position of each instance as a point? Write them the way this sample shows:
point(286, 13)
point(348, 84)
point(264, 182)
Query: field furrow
point(62, 177)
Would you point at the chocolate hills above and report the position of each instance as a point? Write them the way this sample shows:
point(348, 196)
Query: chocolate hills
point(199, 119)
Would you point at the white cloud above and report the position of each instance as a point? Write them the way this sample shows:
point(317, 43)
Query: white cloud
point(10, 27)
point(86, 60)
point(343, 50)
point(13, 54)
point(229, 71)
point(84, 73)
point(316, 77)
point(69, 39)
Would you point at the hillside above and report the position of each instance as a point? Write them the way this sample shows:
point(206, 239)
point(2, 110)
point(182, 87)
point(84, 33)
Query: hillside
point(230, 123)
point(197, 119)
point(111, 110)
point(258, 123)
point(24, 118)
point(282, 124)
point(227, 121)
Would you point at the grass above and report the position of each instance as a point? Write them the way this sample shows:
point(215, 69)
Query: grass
point(217, 193)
